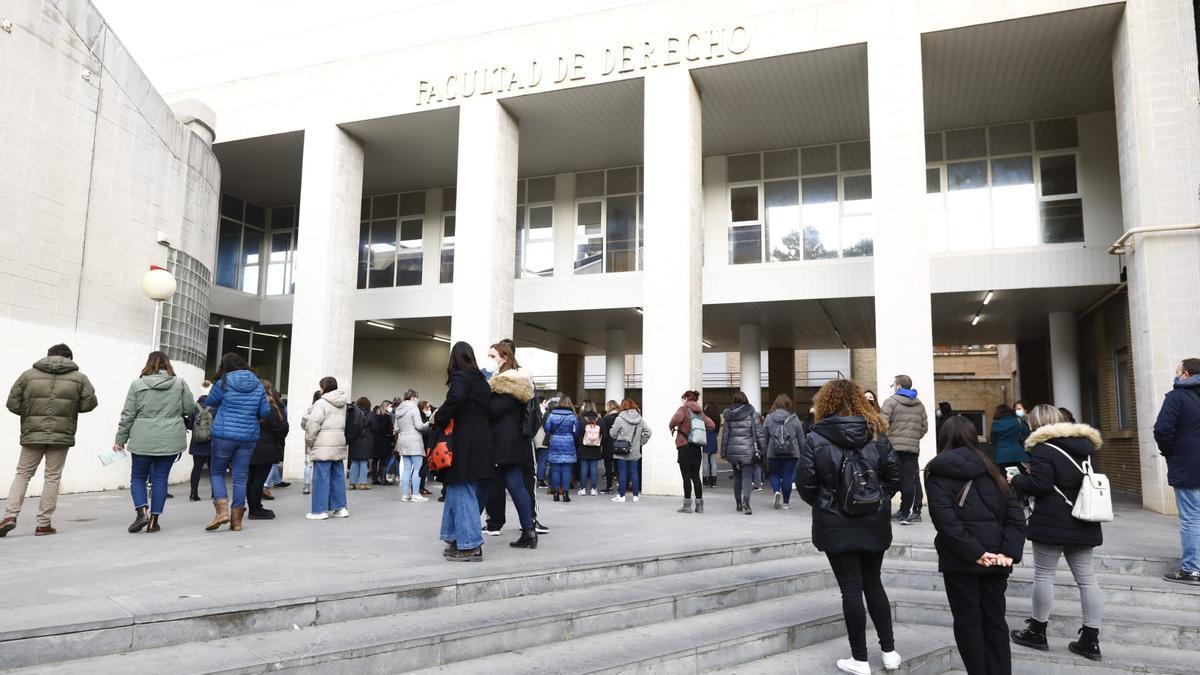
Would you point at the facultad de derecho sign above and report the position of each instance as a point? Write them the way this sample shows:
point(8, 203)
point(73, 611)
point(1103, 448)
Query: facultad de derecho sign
point(619, 59)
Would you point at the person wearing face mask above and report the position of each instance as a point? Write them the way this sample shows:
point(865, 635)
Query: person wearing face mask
point(1008, 438)
point(512, 450)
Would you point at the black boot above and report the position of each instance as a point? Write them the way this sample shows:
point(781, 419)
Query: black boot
point(153, 525)
point(746, 507)
point(739, 505)
point(141, 521)
point(1034, 636)
point(1088, 645)
point(193, 497)
point(528, 539)
point(566, 495)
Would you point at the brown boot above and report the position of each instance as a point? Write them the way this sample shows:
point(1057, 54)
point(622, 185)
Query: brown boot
point(364, 486)
point(222, 516)
point(235, 521)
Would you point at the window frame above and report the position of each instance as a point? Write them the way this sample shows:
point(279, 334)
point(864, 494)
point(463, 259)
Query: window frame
point(603, 198)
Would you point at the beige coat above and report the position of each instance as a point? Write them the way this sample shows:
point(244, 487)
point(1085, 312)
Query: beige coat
point(325, 431)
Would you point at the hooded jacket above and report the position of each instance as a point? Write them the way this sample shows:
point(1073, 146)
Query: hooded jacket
point(409, 428)
point(792, 430)
point(325, 430)
point(629, 426)
point(273, 431)
point(152, 418)
point(1008, 439)
point(987, 521)
point(906, 418)
point(239, 401)
point(818, 475)
point(468, 403)
point(49, 398)
point(562, 428)
point(361, 422)
point(1052, 522)
point(741, 440)
point(1177, 433)
point(511, 391)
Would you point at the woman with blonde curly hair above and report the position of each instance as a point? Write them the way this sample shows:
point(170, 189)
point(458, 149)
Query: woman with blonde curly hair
point(848, 473)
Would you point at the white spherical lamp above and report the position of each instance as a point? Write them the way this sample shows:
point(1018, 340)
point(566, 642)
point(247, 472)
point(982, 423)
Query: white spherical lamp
point(158, 284)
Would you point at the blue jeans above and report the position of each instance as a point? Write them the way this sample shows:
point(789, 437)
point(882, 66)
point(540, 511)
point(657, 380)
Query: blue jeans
point(410, 480)
point(460, 516)
point(224, 453)
point(358, 471)
point(329, 487)
point(514, 481)
point(783, 474)
point(275, 476)
point(392, 466)
point(627, 472)
point(156, 469)
point(543, 456)
point(1188, 501)
point(589, 472)
point(560, 476)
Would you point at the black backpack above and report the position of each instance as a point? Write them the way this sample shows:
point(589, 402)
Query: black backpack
point(356, 424)
point(531, 418)
point(859, 492)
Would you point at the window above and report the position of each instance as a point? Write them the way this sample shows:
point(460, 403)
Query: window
point(391, 245)
point(239, 244)
point(819, 217)
point(281, 251)
point(535, 228)
point(589, 237)
point(1061, 208)
point(608, 221)
point(857, 221)
point(449, 222)
point(265, 349)
point(781, 200)
point(1123, 376)
point(745, 226)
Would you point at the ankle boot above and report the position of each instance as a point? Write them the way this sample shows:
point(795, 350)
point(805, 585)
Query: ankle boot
point(699, 506)
point(528, 539)
point(222, 516)
point(746, 506)
point(739, 506)
point(140, 521)
point(1088, 645)
point(687, 507)
point(1034, 636)
point(153, 526)
point(235, 520)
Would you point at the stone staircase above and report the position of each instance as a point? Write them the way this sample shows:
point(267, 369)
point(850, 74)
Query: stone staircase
point(740, 609)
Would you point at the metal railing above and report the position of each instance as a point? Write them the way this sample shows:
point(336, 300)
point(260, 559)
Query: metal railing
point(709, 380)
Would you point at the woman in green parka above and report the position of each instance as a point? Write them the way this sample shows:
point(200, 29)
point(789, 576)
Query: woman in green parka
point(152, 429)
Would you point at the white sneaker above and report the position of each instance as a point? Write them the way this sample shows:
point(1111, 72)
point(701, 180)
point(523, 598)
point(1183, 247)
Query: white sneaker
point(619, 499)
point(405, 498)
point(342, 513)
point(418, 498)
point(891, 660)
point(852, 666)
point(595, 492)
point(635, 498)
point(778, 503)
point(582, 493)
point(786, 507)
point(317, 516)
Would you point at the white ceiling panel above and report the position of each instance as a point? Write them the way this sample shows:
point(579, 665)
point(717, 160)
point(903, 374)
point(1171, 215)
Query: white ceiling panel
point(409, 152)
point(263, 170)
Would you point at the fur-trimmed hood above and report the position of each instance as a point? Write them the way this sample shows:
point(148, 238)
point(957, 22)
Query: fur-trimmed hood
point(1064, 430)
point(515, 383)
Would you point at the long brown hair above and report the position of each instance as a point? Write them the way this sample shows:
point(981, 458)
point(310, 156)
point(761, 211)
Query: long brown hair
point(272, 397)
point(960, 432)
point(844, 398)
point(157, 361)
point(510, 358)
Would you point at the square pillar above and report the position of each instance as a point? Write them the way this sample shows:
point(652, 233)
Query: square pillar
point(325, 273)
point(1158, 145)
point(1064, 362)
point(781, 372)
point(570, 376)
point(672, 281)
point(750, 368)
point(614, 365)
point(481, 302)
point(903, 318)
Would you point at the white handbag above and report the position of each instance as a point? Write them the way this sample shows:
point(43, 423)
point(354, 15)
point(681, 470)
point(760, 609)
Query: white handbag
point(1093, 504)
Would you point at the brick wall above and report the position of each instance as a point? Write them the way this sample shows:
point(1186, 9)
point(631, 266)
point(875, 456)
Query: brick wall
point(1119, 458)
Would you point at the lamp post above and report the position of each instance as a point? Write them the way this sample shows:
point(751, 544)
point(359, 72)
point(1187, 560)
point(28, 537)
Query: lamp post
point(159, 285)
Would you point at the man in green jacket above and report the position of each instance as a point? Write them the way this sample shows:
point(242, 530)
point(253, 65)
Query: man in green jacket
point(49, 398)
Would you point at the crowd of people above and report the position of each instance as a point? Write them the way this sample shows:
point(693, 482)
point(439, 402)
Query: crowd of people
point(493, 439)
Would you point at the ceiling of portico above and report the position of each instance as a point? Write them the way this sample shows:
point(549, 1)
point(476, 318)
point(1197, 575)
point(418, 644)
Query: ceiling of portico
point(1036, 67)
point(263, 170)
point(417, 151)
point(1018, 315)
point(799, 324)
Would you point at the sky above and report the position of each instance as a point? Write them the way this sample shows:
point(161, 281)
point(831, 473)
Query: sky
point(182, 45)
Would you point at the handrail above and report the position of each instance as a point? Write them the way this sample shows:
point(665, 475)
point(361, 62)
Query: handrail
point(1119, 246)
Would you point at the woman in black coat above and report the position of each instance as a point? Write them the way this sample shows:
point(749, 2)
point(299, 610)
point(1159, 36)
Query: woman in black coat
point(980, 534)
point(1057, 450)
point(268, 451)
point(848, 427)
point(382, 435)
point(512, 450)
point(468, 404)
point(360, 436)
point(201, 451)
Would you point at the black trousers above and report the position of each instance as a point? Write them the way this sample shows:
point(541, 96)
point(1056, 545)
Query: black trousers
point(858, 576)
point(199, 463)
point(980, 631)
point(610, 474)
point(497, 501)
point(254, 485)
point(911, 495)
point(691, 480)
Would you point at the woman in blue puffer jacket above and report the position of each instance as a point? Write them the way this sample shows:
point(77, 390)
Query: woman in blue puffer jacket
point(563, 431)
point(239, 401)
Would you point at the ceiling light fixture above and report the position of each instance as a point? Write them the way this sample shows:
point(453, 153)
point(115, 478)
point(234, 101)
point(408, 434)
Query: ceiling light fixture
point(707, 344)
point(639, 310)
point(253, 349)
point(988, 298)
point(975, 320)
point(380, 324)
point(439, 338)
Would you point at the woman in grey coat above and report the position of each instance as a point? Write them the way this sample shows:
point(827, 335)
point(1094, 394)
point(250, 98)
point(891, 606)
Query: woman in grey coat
point(410, 444)
point(629, 433)
point(785, 440)
point(743, 443)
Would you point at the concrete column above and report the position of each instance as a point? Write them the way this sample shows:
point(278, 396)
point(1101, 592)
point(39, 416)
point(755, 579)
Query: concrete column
point(564, 225)
point(903, 320)
point(326, 274)
point(481, 302)
point(781, 372)
point(570, 376)
point(1064, 362)
point(672, 280)
point(614, 366)
point(750, 341)
point(1158, 143)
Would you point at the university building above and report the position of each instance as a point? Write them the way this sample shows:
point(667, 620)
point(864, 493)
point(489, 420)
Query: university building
point(997, 199)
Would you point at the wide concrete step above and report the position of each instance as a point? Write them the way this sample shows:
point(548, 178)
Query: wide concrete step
point(60, 632)
point(1129, 590)
point(1104, 562)
point(926, 651)
point(1117, 659)
point(409, 640)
